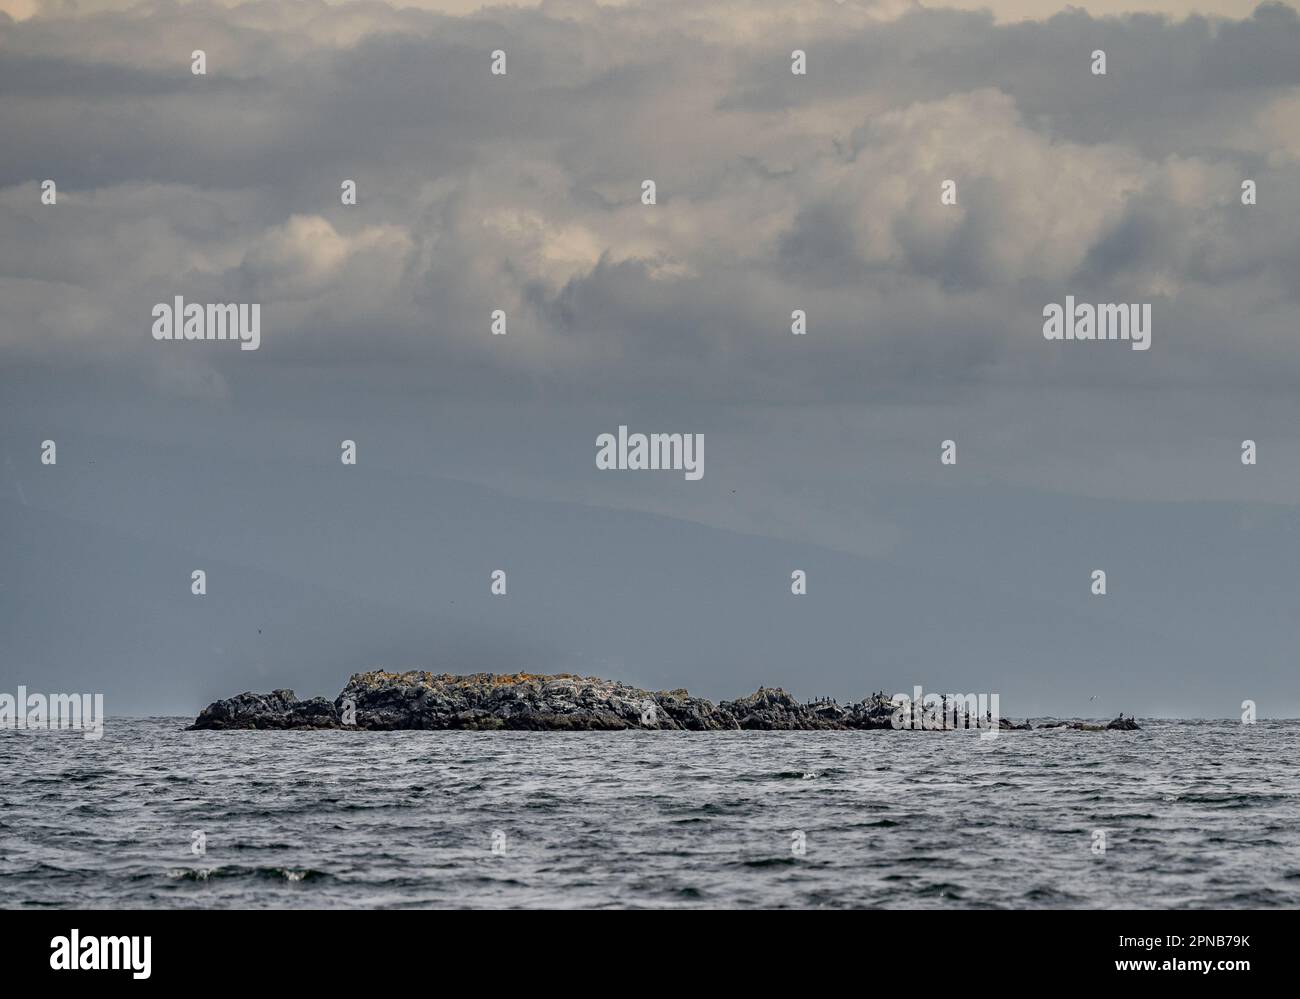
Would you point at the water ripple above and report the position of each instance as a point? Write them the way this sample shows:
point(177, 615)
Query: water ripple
point(1190, 813)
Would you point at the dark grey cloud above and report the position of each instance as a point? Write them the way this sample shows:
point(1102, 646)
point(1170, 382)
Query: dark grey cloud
point(763, 177)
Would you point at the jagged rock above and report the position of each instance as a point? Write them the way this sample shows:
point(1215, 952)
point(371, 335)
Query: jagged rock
point(381, 700)
point(876, 711)
point(278, 709)
point(773, 708)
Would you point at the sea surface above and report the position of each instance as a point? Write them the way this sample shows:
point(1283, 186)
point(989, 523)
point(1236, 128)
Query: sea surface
point(1192, 813)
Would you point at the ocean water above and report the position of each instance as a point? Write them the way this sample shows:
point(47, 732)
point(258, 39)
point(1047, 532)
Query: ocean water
point(1193, 813)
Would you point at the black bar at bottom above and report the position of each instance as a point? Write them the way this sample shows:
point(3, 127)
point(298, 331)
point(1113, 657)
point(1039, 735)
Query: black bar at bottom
point(1015, 949)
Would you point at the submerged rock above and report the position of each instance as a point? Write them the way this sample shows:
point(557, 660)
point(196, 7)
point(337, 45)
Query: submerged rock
point(1117, 725)
point(1124, 724)
point(379, 700)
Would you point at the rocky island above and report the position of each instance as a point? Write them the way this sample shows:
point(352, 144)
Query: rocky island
point(384, 701)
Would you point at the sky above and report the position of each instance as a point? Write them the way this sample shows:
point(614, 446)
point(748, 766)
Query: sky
point(775, 192)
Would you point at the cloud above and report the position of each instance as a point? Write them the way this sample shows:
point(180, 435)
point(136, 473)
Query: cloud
point(775, 192)
point(306, 257)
